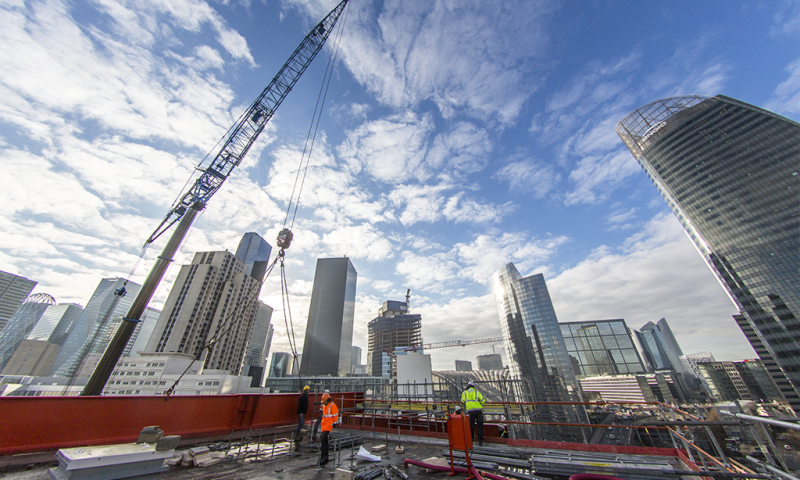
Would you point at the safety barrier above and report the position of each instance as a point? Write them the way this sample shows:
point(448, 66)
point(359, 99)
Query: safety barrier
point(35, 424)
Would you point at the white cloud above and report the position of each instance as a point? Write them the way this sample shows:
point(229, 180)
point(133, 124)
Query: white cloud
point(461, 56)
point(657, 273)
point(595, 177)
point(391, 150)
point(476, 260)
point(786, 98)
point(787, 19)
point(529, 175)
point(359, 241)
point(462, 150)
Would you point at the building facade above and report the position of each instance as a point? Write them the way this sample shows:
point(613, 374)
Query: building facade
point(281, 364)
point(746, 380)
point(213, 301)
point(662, 387)
point(491, 361)
point(535, 347)
point(21, 323)
point(329, 332)
point(393, 328)
point(95, 327)
point(601, 347)
point(355, 358)
point(729, 172)
point(37, 353)
point(257, 352)
point(463, 366)
point(13, 291)
point(659, 347)
point(254, 251)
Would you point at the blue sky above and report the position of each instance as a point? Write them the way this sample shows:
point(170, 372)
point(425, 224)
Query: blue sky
point(457, 136)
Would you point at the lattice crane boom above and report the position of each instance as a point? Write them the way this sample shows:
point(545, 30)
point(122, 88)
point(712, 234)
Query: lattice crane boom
point(451, 343)
point(250, 125)
point(237, 142)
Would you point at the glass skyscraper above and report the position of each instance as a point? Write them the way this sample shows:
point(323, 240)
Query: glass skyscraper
point(254, 252)
point(21, 324)
point(537, 353)
point(13, 290)
point(601, 347)
point(329, 331)
point(659, 347)
point(730, 172)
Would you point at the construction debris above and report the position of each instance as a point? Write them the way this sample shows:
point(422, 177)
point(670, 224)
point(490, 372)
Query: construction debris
point(399, 450)
point(379, 448)
point(363, 453)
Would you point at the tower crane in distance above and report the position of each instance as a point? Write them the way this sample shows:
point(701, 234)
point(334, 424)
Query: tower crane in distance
point(235, 146)
point(451, 343)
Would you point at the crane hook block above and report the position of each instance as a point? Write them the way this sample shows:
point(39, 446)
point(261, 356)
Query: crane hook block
point(285, 238)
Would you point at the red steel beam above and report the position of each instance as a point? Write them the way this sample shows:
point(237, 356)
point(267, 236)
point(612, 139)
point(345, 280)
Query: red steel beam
point(35, 424)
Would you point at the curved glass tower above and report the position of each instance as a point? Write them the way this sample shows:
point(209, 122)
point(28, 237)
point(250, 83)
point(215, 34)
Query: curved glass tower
point(731, 174)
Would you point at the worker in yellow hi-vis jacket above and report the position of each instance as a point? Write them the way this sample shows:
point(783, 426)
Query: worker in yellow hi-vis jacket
point(473, 402)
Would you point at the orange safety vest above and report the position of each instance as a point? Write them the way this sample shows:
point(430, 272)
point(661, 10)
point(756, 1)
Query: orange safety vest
point(330, 413)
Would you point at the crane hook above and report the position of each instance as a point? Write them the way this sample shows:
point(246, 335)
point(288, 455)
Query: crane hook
point(285, 237)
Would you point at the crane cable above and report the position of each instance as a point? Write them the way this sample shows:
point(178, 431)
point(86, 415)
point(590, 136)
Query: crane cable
point(287, 314)
point(317, 115)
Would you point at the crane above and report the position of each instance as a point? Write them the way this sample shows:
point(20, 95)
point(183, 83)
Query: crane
point(451, 343)
point(237, 143)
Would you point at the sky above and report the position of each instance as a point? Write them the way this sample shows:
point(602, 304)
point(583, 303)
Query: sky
point(456, 137)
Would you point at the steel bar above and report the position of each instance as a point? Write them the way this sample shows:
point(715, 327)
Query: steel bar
point(777, 423)
point(774, 470)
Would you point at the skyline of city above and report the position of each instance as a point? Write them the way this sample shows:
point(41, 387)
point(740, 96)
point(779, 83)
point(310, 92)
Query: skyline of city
point(441, 159)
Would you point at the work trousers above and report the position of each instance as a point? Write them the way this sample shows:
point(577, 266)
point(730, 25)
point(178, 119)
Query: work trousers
point(323, 449)
point(476, 423)
point(316, 426)
point(301, 420)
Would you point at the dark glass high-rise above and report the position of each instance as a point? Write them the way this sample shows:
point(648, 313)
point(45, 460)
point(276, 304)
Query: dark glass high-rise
point(730, 172)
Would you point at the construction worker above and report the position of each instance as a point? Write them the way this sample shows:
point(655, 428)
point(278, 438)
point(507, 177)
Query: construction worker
point(330, 414)
point(473, 402)
point(318, 421)
point(302, 408)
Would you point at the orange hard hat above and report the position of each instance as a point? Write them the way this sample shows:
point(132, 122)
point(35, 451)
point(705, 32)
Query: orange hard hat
point(325, 397)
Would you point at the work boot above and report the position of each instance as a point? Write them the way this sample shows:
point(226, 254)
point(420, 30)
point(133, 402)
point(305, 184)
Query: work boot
point(313, 439)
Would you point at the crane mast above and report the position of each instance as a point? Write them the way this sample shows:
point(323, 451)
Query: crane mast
point(237, 143)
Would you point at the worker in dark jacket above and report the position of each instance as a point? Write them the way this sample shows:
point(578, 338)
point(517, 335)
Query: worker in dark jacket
point(302, 408)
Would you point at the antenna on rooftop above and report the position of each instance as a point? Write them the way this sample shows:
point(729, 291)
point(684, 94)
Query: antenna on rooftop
point(408, 297)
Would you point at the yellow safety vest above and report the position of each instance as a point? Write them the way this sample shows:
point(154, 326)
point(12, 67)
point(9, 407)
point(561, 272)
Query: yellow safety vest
point(472, 399)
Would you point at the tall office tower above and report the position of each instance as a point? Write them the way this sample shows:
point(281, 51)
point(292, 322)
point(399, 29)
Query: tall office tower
point(279, 366)
point(13, 291)
point(21, 324)
point(747, 380)
point(255, 357)
point(294, 370)
point(463, 366)
point(729, 172)
point(329, 331)
point(660, 349)
point(212, 298)
point(690, 362)
point(95, 327)
point(536, 350)
point(393, 328)
point(254, 252)
point(36, 354)
point(492, 361)
point(355, 358)
point(601, 347)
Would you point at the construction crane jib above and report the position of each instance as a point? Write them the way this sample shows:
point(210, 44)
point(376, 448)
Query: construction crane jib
point(245, 132)
point(234, 148)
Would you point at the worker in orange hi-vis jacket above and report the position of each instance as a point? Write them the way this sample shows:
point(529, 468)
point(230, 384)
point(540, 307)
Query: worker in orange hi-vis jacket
point(330, 415)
